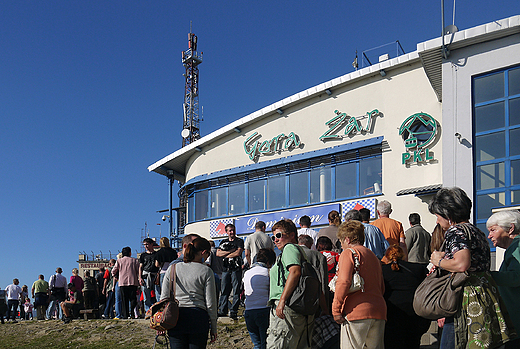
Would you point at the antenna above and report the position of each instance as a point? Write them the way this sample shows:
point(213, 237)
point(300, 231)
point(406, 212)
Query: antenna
point(191, 60)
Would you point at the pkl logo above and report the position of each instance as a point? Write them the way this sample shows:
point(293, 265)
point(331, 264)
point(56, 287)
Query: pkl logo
point(418, 132)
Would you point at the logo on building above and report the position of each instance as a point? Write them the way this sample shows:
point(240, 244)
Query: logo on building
point(254, 148)
point(418, 132)
point(351, 124)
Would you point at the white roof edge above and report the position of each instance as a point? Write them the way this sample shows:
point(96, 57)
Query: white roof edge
point(482, 30)
point(314, 90)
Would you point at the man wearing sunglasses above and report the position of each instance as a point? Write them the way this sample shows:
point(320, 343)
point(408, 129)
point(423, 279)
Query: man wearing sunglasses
point(287, 328)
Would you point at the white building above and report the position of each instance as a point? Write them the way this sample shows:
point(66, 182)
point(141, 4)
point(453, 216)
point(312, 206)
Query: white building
point(397, 131)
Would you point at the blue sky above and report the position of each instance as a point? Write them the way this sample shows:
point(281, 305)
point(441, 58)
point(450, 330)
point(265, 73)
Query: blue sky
point(91, 94)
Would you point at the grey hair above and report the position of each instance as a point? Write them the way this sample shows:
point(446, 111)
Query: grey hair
point(504, 219)
point(384, 207)
point(353, 215)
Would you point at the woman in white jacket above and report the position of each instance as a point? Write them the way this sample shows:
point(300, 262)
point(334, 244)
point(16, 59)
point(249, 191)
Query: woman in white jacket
point(195, 292)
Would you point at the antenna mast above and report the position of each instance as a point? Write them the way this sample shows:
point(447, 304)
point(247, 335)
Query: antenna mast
point(191, 60)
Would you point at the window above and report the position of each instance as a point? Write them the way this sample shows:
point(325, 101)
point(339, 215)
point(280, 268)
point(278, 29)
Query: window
point(338, 176)
point(496, 116)
point(218, 202)
point(237, 199)
point(299, 188)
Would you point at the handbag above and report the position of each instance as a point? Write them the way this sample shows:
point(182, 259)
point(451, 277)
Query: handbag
point(164, 314)
point(357, 284)
point(439, 295)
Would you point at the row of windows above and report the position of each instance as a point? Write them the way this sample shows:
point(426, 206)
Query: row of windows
point(496, 115)
point(323, 183)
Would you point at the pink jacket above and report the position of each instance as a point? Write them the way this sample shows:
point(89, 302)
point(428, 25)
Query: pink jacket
point(128, 270)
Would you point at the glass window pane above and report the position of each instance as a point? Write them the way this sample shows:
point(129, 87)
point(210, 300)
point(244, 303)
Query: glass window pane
point(218, 202)
point(237, 198)
point(488, 201)
point(201, 205)
point(515, 172)
point(489, 117)
point(514, 142)
point(514, 112)
point(346, 180)
point(515, 197)
point(276, 192)
point(256, 195)
point(514, 81)
point(491, 176)
point(490, 147)
point(370, 176)
point(299, 188)
point(489, 87)
point(191, 209)
point(320, 184)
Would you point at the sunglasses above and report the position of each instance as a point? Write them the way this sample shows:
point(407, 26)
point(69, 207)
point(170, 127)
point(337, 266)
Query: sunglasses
point(277, 236)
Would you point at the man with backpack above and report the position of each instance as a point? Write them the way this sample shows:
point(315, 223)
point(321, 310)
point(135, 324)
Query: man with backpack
point(291, 325)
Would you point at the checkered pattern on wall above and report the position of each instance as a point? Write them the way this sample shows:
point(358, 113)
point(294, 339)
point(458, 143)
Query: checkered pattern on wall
point(217, 229)
point(358, 204)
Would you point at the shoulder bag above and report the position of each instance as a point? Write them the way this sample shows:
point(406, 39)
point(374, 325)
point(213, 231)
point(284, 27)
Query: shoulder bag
point(163, 315)
point(357, 284)
point(305, 299)
point(439, 295)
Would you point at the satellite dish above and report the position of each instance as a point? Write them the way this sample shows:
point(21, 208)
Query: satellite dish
point(185, 133)
point(451, 29)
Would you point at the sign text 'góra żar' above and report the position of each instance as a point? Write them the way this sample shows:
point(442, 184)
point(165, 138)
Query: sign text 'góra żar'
point(254, 147)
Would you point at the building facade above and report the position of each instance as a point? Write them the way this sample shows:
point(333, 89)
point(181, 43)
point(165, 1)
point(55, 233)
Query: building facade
point(397, 131)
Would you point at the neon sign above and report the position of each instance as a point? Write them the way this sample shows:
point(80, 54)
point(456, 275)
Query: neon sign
point(254, 148)
point(352, 124)
point(418, 132)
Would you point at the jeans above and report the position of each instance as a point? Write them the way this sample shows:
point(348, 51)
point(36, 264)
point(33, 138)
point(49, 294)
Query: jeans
point(147, 297)
point(118, 299)
point(52, 307)
point(189, 341)
point(448, 335)
point(109, 303)
point(12, 303)
point(257, 322)
point(230, 280)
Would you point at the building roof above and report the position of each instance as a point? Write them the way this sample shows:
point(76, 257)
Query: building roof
point(427, 189)
point(429, 52)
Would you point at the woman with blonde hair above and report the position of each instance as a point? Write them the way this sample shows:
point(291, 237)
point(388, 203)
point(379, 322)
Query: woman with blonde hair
point(195, 292)
point(403, 327)
point(77, 280)
point(361, 314)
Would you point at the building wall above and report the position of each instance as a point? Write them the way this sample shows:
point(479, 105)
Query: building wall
point(462, 65)
point(402, 92)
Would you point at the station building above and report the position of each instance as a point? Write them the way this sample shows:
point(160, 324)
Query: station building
point(447, 114)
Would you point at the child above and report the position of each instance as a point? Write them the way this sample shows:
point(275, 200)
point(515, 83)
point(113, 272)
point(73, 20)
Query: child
point(3, 305)
point(28, 307)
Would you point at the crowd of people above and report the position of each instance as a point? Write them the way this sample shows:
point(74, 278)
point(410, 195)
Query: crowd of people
point(365, 273)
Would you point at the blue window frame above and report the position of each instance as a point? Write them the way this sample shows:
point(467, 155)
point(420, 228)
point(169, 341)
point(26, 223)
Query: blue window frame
point(496, 123)
point(338, 176)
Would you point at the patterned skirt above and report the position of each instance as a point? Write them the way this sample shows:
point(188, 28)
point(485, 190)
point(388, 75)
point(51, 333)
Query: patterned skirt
point(483, 321)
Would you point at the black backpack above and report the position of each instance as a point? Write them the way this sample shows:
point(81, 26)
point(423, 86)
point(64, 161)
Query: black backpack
point(305, 299)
